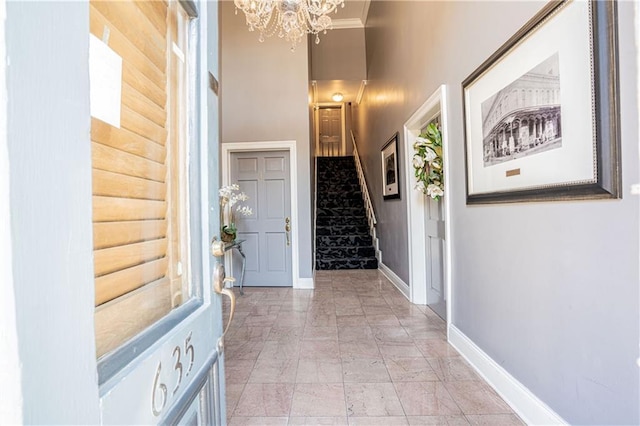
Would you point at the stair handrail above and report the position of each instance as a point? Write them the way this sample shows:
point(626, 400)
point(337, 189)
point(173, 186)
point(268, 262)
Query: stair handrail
point(371, 216)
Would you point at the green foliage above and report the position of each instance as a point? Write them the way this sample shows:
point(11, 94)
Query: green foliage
point(428, 163)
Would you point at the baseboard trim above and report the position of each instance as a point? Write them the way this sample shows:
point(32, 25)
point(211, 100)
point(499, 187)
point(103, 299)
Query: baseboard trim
point(304, 284)
point(528, 406)
point(395, 280)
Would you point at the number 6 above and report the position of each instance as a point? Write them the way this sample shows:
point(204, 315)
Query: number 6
point(163, 389)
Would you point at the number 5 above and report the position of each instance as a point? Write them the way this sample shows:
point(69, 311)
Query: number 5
point(188, 350)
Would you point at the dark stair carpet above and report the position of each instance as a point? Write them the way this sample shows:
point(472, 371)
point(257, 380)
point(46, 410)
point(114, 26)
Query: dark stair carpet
point(342, 230)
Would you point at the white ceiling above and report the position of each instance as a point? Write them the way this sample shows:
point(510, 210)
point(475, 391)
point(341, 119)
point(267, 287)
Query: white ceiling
point(326, 88)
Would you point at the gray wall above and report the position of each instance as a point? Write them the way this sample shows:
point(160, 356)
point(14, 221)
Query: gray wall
point(548, 290)
point(264, 95)
point(340, 55)
point(50, 184)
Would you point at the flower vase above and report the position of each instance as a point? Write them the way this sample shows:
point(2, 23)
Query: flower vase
point(228, 237)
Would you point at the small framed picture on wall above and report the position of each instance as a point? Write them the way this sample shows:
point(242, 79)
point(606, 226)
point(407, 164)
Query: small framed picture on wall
point(390, 172)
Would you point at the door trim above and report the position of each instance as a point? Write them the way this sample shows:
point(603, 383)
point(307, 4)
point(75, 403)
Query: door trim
point(437, 102)
point(289, 145)
point(11, 403)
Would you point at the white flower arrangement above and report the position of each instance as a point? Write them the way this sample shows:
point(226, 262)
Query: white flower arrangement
point(427, 162)
point(230, 195)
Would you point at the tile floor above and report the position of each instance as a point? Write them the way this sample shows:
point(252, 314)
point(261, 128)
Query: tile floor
point(353, 351)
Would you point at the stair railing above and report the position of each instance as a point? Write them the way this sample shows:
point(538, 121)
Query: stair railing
point(371, 216)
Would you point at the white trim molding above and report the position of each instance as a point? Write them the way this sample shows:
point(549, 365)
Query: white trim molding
point(288, 145)
point(343, 128)
point(314, 87)
point(363, 85)
point(395, 280)
point(305, 284)
point(346, 23)
point(437, 103)
point(529, 407)
point(11, 404)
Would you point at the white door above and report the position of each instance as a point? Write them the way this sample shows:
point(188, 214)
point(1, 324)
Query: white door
point(265, 178)
point(330, 131)
point(434, 227)
point(158, 322)
point(435, 249)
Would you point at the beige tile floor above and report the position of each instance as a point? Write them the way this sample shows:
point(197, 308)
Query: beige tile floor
point(353, 351)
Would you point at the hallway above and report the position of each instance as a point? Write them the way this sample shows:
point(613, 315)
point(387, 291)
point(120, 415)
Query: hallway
point(353, 351)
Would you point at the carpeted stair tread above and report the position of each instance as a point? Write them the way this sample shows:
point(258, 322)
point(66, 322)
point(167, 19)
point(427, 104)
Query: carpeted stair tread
point(354, 263)
point(329, 219)
point(342, 230)
point(340, 189)
point(352, 213)
point(347, 202)
point(341, 195)
point(346, 252)
point(343, 240)
point(341, 219)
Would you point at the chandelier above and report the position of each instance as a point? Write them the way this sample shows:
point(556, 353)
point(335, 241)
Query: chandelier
point(290, 19)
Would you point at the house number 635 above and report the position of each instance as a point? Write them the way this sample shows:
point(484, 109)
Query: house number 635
point(160, 389)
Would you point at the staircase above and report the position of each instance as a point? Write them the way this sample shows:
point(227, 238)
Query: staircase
point(342, 231)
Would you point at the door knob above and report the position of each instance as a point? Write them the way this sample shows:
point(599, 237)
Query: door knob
point(219, 280)
point(287, 229)
point(217, 247)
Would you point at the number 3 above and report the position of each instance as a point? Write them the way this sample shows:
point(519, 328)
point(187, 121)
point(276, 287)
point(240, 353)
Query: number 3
point(177, 367)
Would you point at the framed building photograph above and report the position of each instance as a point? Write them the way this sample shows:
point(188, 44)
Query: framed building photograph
point(390, 172)
point(541, 114)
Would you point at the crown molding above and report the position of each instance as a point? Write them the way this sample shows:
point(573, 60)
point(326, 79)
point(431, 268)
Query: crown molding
point(341, 24)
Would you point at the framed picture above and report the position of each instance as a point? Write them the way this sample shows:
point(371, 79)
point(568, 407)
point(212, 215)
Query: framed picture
point(541, 114)
point(390, 172)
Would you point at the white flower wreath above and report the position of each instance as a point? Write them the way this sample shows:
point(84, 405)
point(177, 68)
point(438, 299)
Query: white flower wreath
point(427, 162)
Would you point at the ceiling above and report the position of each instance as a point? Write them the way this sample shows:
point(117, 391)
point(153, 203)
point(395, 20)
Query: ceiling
point(324, 89)
point(352, 15)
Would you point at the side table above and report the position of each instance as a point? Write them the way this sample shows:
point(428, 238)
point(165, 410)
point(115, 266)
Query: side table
point(237, 244)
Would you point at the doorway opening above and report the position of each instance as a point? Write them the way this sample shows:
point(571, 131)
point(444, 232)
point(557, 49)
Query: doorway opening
point(428, 219)
point(330, 130)
point(269, 146)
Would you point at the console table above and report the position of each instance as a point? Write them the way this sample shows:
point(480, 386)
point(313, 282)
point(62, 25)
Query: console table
point(237, 244)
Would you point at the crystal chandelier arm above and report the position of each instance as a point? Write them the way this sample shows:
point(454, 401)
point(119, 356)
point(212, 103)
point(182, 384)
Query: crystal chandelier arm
point(291, 18)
